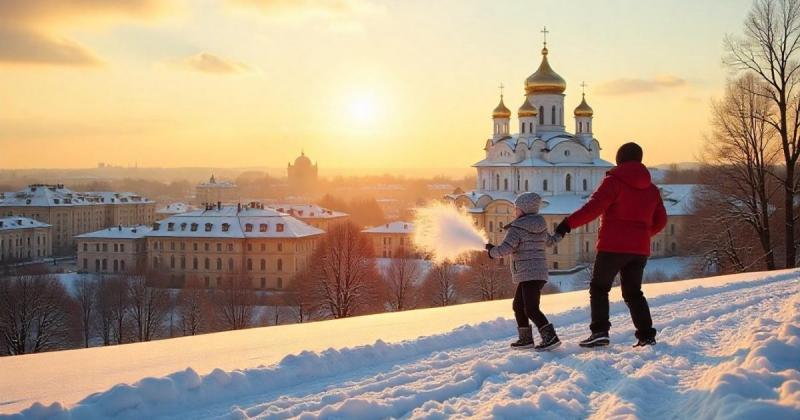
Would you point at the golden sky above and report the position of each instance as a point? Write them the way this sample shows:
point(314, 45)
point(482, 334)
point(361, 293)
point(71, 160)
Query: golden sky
point(355, 83)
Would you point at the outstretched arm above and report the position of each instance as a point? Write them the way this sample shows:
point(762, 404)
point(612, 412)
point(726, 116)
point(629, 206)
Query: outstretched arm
point(597, 204)
point(510, 243)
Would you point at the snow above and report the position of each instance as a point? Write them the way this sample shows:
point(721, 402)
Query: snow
point(42, 195)
point(19, 222)
point(392, 227)
point(119, 232)
point(278, 225)
point(176, 208)
point(728, 348)
point(308, 211)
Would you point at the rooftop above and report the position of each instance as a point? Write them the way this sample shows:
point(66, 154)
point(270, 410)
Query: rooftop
point(18, 222)
point(119, 232)
point(307, 211)
point(45, 195)
point(392, 227)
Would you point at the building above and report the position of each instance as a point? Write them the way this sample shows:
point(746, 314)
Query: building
point(313, 215)
point(172, 209)
point(113, 250)
point(213, 192)
point(24, 239)
point(224, 243)
point(562, 166)
point(391, 239)
point(303, 174)
point(72, 213)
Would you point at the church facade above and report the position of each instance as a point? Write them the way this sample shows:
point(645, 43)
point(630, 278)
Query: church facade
point(563, 167)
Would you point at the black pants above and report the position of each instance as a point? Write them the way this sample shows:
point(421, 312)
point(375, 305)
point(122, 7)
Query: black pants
point(631, 269)
point(526, 304)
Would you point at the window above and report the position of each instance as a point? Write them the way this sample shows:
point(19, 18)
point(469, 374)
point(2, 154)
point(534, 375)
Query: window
point(566, 153)
point(522, 131)
point(249, 264)
point(206, 246)
point(580, 127)
point(530, 127)
point(553, 115)
point(207, 281)
point(170, 226)
point(194, 246)
point(194, 227)
point(85, 264)
point(263, 264)
point(219, 264)
point(121, 265)
point(85, 247)
point(279, 227)
point(673, 246)
point(541, 115)
point(225, 227)
point(207, 264)
point(194, 263)
point(491, 226)
point(671, 229)
point(248, 227)
point(263, 282)
point(183, 262)
point(230, 247)
point(97, 247)
point(280, 264)
point(183, 226)
point(116, 266)
point(555, 250)
point(585, 185)
point(568, 182)
point(262, 227)
point(280, 246)
point(497, 181)
point(230, 264)
point(555, 265)
point(263, 247)
point(208, 227)
point(121, 247)
point(526, 185)
point(219, 247)
point(280, 283)
point(544, 185)
point(586, 247)
point(172, 261)
point(249, 247)
point(505, 184)
point(483, 184)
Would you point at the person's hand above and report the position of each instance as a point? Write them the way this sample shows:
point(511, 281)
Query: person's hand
point(489, 250)
point(563, 228)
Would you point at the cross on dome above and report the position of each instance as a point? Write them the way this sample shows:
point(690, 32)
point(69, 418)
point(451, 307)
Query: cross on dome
point(545, 32)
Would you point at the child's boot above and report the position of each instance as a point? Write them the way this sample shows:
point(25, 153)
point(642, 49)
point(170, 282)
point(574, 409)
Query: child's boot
point(549, 338)
point(525, 338)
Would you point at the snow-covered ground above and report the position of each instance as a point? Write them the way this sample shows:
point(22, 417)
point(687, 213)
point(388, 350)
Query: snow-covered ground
point(729, 347)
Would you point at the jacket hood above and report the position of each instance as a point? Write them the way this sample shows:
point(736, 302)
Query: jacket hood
point(528, 202)
point(633, 174)
point(533, 223)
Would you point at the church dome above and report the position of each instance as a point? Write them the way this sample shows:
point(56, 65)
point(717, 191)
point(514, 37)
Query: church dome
point(584, 110)
point(545, 80)
point(501, 111)
point(302, 160)
point(527, 110)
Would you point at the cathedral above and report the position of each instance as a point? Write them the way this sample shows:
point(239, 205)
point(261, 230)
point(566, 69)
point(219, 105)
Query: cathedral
point(563, 167)
point(303, 174)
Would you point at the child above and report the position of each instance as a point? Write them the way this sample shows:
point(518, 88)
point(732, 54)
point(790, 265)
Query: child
point(526, 240)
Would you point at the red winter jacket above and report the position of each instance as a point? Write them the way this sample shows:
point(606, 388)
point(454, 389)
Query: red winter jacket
point(631, 209)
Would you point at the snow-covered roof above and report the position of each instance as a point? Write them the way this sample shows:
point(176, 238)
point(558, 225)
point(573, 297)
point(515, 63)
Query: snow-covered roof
point(392, 227)
point(119, 232)
point(41, 195)
point(233, 222)
point(678, 198)
point(176, 208)
point(307, 211)
point(536, 162)
point(19, 222)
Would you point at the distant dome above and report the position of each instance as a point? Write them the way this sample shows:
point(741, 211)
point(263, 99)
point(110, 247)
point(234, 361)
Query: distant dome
point(584, 110)
point(302, 160)
point(527, 110)
point(501, 111)
point(545, 80)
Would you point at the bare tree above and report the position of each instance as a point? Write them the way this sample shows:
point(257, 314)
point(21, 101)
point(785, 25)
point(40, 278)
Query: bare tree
point(300, 296)
point(235, 303)
point(33, 314)
point(86, 297)
point(439, 287)
point(741, 153)
point(344, 277)
point(770, 49)
point(401, 276)
point(191, 307)
point(487, 279)
point(149, 307)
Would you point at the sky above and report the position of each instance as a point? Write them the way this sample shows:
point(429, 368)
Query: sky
point(354, 83)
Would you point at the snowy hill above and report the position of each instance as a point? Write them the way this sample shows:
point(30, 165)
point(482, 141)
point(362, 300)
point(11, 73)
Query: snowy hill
point(729, 347)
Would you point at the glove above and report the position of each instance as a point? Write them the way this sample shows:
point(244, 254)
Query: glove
point(489, 249)
point(563, 228)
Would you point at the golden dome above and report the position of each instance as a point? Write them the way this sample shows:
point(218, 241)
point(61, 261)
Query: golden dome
point(501, 111)
point(527, 110)
point(545, 80)
point(584, 110)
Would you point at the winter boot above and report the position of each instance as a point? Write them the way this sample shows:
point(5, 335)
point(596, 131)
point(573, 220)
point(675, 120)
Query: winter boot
point(549, 338)
point(525, 338)
point(598, 339)
point(645, 342)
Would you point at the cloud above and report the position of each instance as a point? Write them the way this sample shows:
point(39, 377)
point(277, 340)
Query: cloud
point(625, 86)
point(31, 30)
point(209, 63)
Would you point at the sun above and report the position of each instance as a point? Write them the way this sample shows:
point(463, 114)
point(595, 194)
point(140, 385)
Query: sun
point(364, 108)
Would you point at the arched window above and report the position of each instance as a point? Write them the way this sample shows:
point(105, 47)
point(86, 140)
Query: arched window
point(219, 264)
point(553, 115)
point(544, 185)
point(497, 181)
point(530, 127)
point(541, 114)
point(505, 184)
point(484, 184)
point(522, 129)
point(580, 126)
point(568, 183)
point(518, 182)
point(585, 185)
point(526, 185)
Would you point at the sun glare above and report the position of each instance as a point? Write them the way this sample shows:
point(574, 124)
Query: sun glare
point(363, 108)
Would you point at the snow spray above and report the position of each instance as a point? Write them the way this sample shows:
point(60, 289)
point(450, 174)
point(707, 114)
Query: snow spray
point(446, 232)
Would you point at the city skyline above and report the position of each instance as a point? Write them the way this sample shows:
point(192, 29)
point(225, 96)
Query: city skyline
point(245, 83)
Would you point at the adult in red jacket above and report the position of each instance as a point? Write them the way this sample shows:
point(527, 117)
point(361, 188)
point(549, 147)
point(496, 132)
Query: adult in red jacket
point(631, 212)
